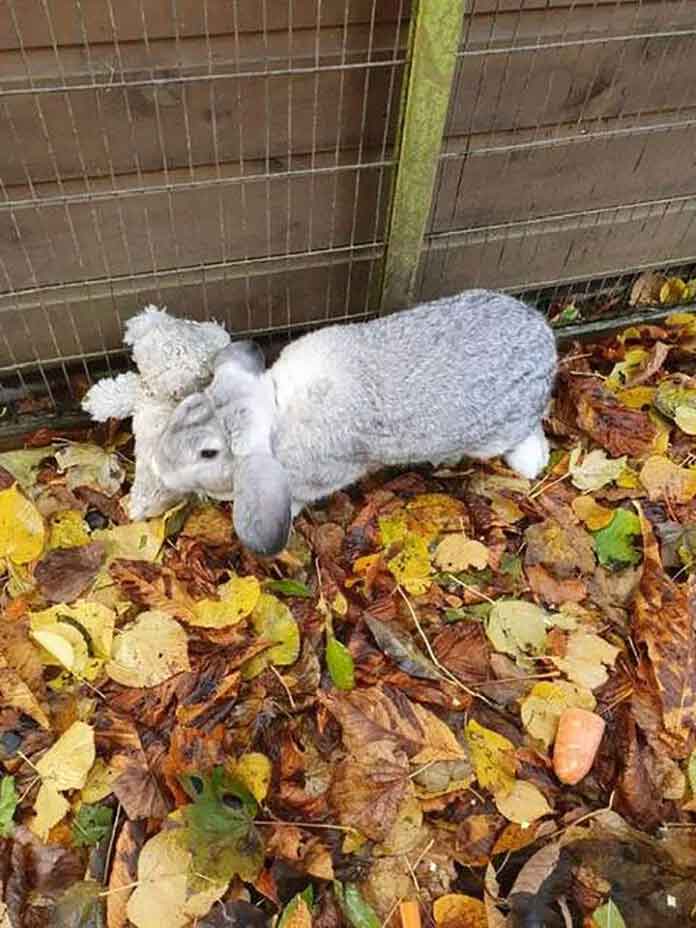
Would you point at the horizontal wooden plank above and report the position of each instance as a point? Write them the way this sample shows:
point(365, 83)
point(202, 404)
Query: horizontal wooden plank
point(100, 21)
point(133, 233)
point(75, 324)
point(539, 254)
point(585, 173)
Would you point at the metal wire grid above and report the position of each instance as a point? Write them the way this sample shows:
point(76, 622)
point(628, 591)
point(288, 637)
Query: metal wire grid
point(532, 237)
point(311, 206)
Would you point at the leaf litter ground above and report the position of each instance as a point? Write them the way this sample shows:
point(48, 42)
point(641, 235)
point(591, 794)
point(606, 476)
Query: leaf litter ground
point(457, 697)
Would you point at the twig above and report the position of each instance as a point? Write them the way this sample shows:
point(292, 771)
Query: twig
point(542, 486)
point(112, 840)
point(282, 682)
point(470, 589)
point(318, 825)
point(522, 679)
point(448, 675)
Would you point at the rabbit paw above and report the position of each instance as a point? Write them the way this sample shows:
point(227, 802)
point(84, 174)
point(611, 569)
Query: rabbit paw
point(531, 456)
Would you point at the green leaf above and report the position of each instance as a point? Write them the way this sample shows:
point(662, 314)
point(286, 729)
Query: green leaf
point(8, 803)
point(24, 465)
point(273, 621)
point(288, 588)
point(221, 835)
point(339, 660)
point(357, 912)
point(608, 916)
point(91, 824)
point(614, 544)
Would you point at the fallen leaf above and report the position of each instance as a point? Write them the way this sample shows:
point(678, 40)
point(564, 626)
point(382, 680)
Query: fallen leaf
point(80, 906)
point(595, 471)
point(636, 397)
point(209, 524)
point(614, 427)
point(123, 876)
point(492, 756)
point(665, 480)
point(163, 895)
point(411, 566)
point(523, 803)
point(67, 763)
point(550, 590)
point(24, 464)
point(15, 692)
point(274, 623)
point(49, 808)
point(663, 623)
point(148, 652)
point(138, 541)
point(517, 627)
point(77, 637)
point(367, 795)
point(67, 529)
point(65, 574)
point(614, 542)
point(591, 513)
point(400, 647)
point(238, 599)
point(646, 289)
point(565, 549)
point(296, 914)
point(357, 912)
point(92, 466)
point(22, 530)
point(457, 552)
point(672, 291)
point(289, 588)
point(8, 803)
point(91, 824)
point(542, 708)
point(339, 662)
point(253, 770)
point(586, 658)
point(685, 417)
point(608, 916)
point(153, 587)
point(458, 911)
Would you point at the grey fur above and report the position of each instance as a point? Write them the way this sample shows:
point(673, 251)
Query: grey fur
point(465, 375)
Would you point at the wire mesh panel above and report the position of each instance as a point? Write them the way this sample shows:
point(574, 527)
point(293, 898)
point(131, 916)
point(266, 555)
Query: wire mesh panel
point(569, 149)
point(225, 159)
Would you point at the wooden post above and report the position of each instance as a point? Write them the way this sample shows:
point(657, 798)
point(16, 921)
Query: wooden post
point(433, 42)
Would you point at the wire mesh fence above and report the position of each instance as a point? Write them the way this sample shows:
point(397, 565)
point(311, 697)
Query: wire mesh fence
point(234, 160)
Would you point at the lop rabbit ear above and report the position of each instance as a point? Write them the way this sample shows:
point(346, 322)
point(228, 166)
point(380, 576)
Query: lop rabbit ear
point(262, 504)
point(245, 355)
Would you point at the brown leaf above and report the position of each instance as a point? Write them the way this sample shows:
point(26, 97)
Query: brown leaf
point(657, 358)
point(37, 872)
point(65, 573)
point(663, 622)
point(367, 795)
point(153, 586)
point(555, 591)
point(137, 788)
point(465, 651)
point(562, 547)
point(612, 425)
point(377, 721)
point(191, 751)
point(124, 871)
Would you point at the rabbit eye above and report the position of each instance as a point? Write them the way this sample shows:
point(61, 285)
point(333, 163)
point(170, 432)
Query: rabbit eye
point(209, 453)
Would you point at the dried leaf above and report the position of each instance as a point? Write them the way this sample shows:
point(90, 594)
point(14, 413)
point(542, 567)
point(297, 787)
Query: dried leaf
point(238, 599)
point(411, 566)
point(493, 757)
point(253, 770)
point(64, 574)
point(523, 803)
point(150, 651)
point(665, 480)
point(646, 289)
point(154, 587)
point(67, 529)
point(517, 627)
point(24, 464)
point(591, 513)
point(672, 291)
point(586, 659)
point(15, 692)
point(274, 622)
point(67, 763)
point(22, 530)
point(400, 647)
point(368, 795)
point(457, 552)
point(91, 466)
point(457, 911)
point(617, 429)
point(565, 549)
point(49, 808)
point(595, 471)
point(136, 541)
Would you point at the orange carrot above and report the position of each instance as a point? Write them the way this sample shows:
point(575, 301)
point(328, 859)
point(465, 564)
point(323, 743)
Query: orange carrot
point(410, 914)
point(577, 742)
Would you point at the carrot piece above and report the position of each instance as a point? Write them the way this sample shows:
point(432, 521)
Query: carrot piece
point(577, 742)
point(410, 914)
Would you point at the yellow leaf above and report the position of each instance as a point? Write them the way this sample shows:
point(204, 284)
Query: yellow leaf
point(591, 513)
point(685, 417)
point(596, 469)
point(254, 771)
point(67, 529)
point(14, 692)
point(628, 480)
point(506, 508)
point(492, 756)
point(457, 911)
point(411, 566)
point(238, 599)
point(523, 804)
point(67, 763)
point(99, 783)
point(441, 743)
point(429, 514)
point(163, 896)
point(677, 319)
point(22, 530)
point(138, 541)
point(585, 659)
point(210, 524)
point(665, 480)
point(50, 807)
point(542, 708)
point(457, 552)
point(91, 465)
point(273, 622)
point(63, 651)
point(392, 529)
point(636, 397)
point(150, 651)
point(297, 914)
point(672, 291)
point(92, 620)
point(339, 604)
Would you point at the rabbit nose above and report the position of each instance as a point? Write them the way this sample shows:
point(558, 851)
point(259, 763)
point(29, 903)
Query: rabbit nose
point(209, 453)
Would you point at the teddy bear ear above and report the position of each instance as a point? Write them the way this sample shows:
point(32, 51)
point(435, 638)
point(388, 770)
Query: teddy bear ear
point(244, 355)
point(138, 326)
point(112, 398)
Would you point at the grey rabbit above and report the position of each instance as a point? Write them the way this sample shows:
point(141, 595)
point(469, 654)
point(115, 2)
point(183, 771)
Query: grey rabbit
point(468, 375)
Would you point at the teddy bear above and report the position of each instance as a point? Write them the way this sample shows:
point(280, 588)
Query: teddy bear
point(175, 358)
